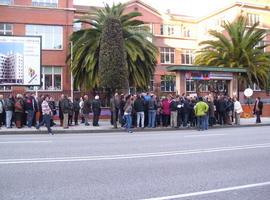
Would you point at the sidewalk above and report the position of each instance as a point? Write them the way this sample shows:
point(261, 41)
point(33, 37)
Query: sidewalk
point(105, 127)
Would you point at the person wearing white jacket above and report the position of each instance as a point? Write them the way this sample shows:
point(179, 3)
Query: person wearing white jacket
point(237, 111)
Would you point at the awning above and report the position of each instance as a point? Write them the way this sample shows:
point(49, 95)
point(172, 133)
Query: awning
point(176, 68)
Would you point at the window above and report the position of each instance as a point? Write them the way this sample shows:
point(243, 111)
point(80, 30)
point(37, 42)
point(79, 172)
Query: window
point(52, 36)
point(167, 83)
point(5, 29)
point(151, 86)
point(185, 32)
point(77, 25)
point(51, 79)
point(204, 86)
point(187, 56)
point(5, 88)
point(45, 3)
point(190, 86)
point(252, 19)
point(261, 44)
point(5, 2)
point(166, 55)
point(166, 29)
point(255, 87)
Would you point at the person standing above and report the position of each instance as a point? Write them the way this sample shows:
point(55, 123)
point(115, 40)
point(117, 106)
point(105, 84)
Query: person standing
point(257, 110)
point(1, 110)
point(81, 107)
point(165, 104)
point(86, 110)
point(127, 113)
point(237, 111)
point(76, 106)
point(64, 106)
point(121, 110)
point(201, 109)
point(9, 108)
point(139, 109)
point(173, 108)
point(47, 113)
point(96, 107)
point(152, 112)
point(29, 109)
point(70, 111)
point(19, 110)
point(211, 110)
point(53, 108)
point(114, 105)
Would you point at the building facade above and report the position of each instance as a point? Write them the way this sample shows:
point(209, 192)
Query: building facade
point(51, 19)
point(176, 36)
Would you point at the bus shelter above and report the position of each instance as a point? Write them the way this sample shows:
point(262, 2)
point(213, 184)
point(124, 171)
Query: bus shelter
point(192, 79)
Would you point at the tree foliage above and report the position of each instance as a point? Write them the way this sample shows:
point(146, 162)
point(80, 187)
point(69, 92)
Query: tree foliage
point(141, 54)
point(112, 62)
point(237, 47)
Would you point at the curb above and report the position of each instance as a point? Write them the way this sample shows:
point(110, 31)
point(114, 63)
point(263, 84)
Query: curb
point(119, 130)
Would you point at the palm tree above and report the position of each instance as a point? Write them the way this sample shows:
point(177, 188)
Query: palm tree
point(238, 48)
point(141, 54)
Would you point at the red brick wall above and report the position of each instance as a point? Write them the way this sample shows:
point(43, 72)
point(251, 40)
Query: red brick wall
point(19, 16)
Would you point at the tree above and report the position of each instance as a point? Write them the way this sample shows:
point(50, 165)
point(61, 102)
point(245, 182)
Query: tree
point(112, 62)
point(141, 54)
point(237, 47)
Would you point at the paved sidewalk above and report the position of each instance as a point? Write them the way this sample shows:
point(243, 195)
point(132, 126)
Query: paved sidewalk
point(105, 127)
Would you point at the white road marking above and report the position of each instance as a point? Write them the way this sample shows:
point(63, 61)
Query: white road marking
point(204, 135)
point(132, 156)
point(240, 187)
point(26, 142)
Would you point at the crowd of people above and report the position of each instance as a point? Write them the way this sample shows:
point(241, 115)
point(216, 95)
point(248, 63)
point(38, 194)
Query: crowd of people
point(31, 111)
point(148, 110)
point(129, 111)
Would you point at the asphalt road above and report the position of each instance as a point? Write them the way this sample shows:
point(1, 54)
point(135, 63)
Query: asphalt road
point(220, 164)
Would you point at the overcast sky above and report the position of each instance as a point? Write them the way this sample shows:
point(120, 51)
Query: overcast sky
point(196, 8)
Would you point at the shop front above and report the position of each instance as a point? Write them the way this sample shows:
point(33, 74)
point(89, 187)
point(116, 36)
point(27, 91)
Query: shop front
point(198, 80)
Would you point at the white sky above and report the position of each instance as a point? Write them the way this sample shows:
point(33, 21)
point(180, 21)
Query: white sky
point(196, 8)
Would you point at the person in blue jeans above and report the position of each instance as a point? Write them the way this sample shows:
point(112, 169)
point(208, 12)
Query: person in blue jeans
point(127, 113)
point(201, 110)
point(152, 112)
point(30, 108)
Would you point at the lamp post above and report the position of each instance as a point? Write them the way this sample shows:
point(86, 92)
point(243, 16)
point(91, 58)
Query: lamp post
point(71, 75)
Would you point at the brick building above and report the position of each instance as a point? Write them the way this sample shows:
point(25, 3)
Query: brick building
point(53, 20)
point(177, 37)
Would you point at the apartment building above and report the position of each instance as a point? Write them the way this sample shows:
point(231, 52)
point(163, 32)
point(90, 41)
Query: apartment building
point(177, 37)
point(11, 68)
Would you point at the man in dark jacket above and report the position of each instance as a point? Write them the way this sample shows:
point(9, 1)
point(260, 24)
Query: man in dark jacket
point(114, 105)
point(96, 107)
point(139, 109)
point(64, 106)
point(76, 105)
point(173, 108)
point(257, 110)
point(30, 109)
point(222, 110)
point(87, 109)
